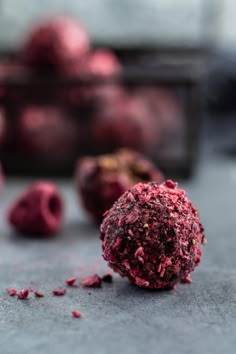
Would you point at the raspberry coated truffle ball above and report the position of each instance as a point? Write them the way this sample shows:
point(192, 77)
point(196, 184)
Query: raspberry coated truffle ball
point(38, 210)
point(152, 235)
point(101, 180)
point(125, 122)
point(47, 132)
point(56, 45)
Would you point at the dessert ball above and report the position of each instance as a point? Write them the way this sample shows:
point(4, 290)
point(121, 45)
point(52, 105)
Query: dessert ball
point(165, 107)
point(47, 132)
point(101, 180)
point(56, 45)
point(152, 235)
point(38, 210)
point(124, 122)
point(100, 64)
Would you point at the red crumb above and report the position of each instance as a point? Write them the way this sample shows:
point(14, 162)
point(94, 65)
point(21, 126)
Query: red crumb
point(187, 280)
point(59, 292)
point(23, 294)
point(107, 278)
point(76, 314)
point(93, 281)
point(70, 281)
point(11, 291)
point(38, 294)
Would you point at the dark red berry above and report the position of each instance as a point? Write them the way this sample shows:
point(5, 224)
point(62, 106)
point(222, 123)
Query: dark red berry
point(38, 210)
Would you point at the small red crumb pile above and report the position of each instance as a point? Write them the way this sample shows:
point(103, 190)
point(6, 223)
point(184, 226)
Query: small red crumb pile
point(71, 281)
point(93, 281)
point(23, 294)
point(38, 210)
point(11, 291)
point(152, 235)
point(76, 314)
point(101, 180)
point(59, 292)
point(37, 293)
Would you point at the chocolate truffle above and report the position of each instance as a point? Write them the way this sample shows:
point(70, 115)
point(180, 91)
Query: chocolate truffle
point(101, 180)
point(152, 235)
point(125, 122)
point(57, 45)
point(47, 132)
point(38, 210)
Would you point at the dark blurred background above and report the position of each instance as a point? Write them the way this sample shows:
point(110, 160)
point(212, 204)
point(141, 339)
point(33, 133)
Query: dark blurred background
point(171, 67)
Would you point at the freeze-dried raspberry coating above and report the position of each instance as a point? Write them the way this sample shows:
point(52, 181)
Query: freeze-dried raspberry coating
point(102, 180)
point(56, 45)
point(152, 235)
point(38, 211)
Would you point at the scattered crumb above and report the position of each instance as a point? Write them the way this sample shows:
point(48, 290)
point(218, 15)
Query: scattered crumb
point(76, 314)
point(70, 281)
point(11, 291)
point(107, 278)
point(59, 292)
point(93, 281)
point(38, 294)
point(23, 294)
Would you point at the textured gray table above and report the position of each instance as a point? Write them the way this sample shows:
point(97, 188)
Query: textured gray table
point(120, 318)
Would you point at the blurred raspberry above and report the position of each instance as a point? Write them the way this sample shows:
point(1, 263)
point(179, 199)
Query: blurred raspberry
point(47, 132)
point(166, 108)
point(38, 210)
point(125, 122)
point(101, 180)
point(100, 64)
point(56, 45)
point(103, 63)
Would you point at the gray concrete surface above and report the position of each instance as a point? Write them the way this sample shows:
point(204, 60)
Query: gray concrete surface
point(120, 318)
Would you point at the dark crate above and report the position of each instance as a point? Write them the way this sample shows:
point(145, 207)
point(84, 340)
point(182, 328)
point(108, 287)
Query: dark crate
point(175, 73)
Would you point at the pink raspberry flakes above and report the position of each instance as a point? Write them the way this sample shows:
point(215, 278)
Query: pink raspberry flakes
point(93, 281)
point(23, 294)
point(70, 281)
point(11, 291)
point(59, 292)
point(76, 314)
point(38, 294)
